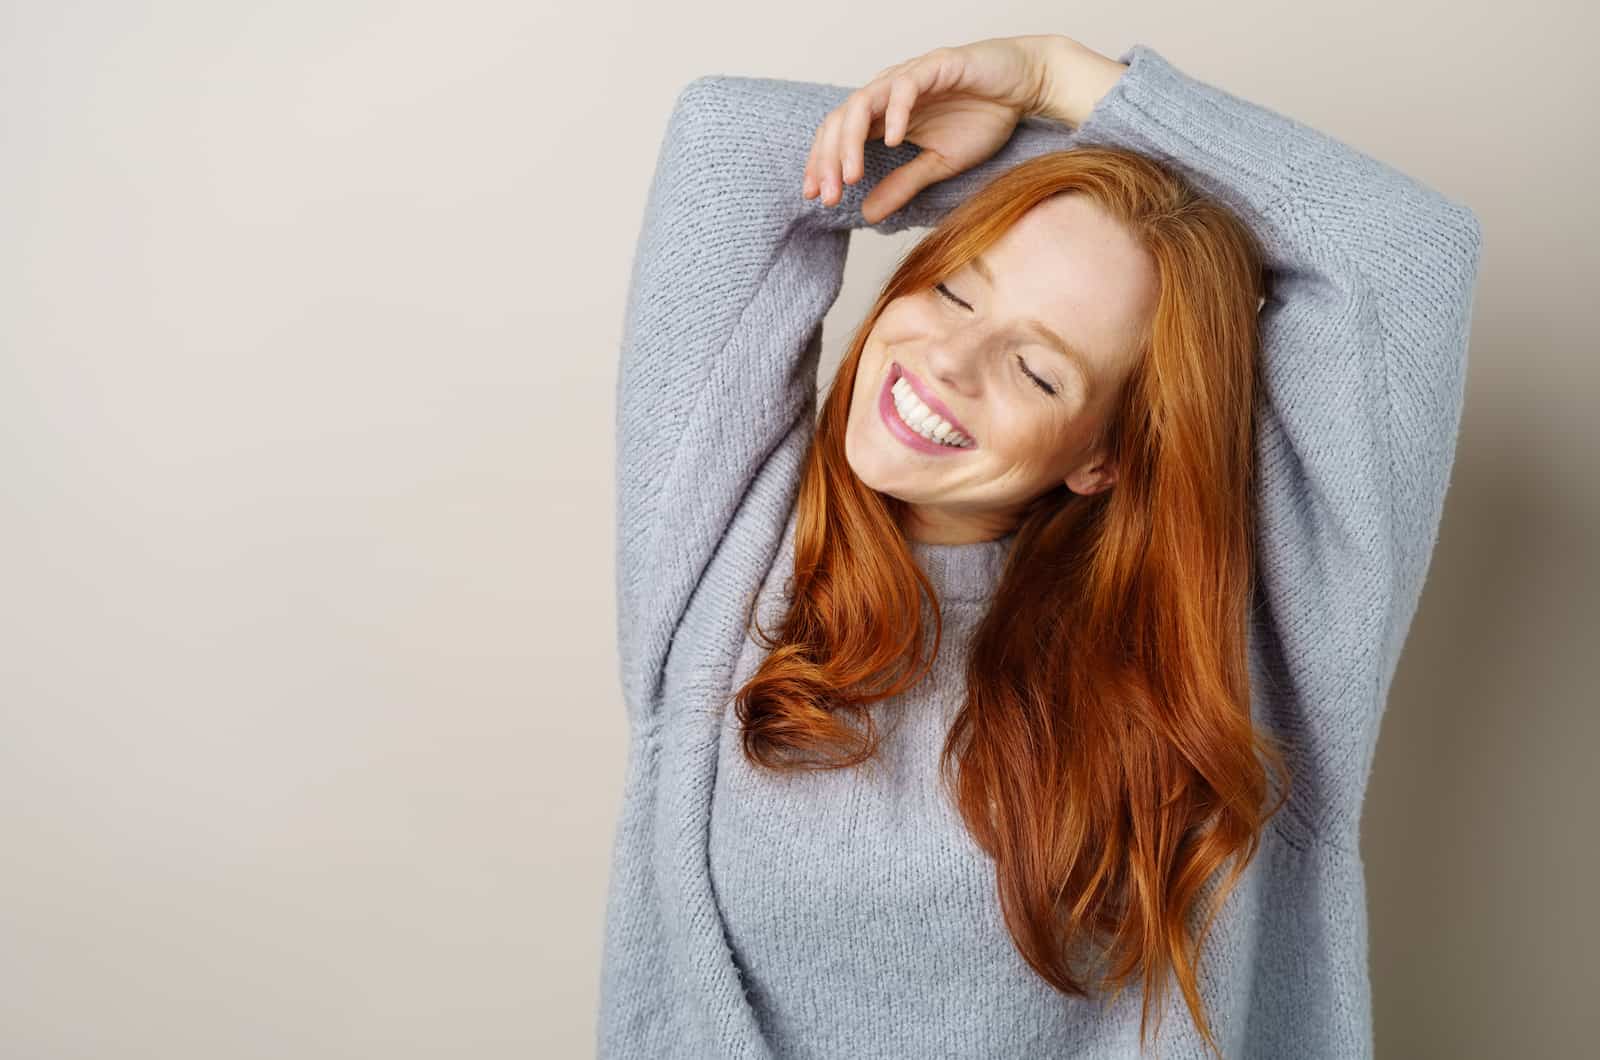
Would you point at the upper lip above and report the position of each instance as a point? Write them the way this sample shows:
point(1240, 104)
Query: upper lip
point(928, 399)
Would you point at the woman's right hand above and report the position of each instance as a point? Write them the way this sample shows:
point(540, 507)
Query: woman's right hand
point(960, 105)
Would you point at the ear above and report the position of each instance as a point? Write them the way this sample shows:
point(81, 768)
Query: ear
point(1091, 479)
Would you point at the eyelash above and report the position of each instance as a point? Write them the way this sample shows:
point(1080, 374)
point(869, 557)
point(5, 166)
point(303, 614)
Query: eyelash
point(1040, 383)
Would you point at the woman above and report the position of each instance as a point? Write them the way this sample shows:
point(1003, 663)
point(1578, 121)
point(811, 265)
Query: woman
point(957, 710)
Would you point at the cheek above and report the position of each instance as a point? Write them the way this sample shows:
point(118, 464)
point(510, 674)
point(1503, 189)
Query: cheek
point(1026, 426)
point(869, 375)
point(1029, 433)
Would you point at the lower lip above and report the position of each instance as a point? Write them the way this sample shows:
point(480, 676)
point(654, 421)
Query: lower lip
point(899, 428)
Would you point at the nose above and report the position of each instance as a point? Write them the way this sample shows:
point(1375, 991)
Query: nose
point(955, 362)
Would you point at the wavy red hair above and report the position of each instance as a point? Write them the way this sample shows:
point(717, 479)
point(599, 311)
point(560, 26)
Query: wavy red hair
point(1105, 755)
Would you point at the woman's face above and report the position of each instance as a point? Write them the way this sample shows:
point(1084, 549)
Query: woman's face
point(981, 353)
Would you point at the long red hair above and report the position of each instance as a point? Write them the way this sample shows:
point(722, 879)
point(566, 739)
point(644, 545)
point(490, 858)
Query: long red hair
point(1105, 756)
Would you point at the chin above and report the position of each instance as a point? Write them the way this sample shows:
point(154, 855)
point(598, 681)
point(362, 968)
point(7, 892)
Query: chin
point(852, 456)
point(875, 467)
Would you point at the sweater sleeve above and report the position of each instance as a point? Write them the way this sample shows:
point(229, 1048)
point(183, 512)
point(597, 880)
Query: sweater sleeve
point(732, 275)
point(1364, 336)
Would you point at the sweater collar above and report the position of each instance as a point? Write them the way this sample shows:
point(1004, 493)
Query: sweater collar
point(958, 572)
point(964, 572)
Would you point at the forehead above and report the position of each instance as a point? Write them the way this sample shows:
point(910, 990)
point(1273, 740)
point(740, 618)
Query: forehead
point(1075, 268)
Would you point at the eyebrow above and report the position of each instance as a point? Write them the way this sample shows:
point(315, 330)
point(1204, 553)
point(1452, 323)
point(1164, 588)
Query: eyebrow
point(1062, 346)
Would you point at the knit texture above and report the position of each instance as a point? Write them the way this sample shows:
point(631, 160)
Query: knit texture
point(848, 914)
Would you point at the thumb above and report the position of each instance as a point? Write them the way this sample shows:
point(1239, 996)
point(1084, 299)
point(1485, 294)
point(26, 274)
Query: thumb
point(903, 184)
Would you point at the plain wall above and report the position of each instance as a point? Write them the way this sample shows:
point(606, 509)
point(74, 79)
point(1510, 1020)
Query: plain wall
point(312, 733)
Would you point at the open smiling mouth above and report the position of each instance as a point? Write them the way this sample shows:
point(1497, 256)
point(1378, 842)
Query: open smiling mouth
point(910, 419)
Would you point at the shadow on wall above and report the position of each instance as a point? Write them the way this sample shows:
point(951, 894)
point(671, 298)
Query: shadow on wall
point(1480, 865)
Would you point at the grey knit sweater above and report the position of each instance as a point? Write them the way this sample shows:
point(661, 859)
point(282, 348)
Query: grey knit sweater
point(847, 913)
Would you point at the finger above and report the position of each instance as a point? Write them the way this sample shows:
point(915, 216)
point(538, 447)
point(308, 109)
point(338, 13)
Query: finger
point(897, 113)
point(864, 106)
point(832, 180)
point(818, 157)
point(902, 185)
point(933, 72)
point(816, 161)
point(809, 187)
point(909, 82)
point(819, 167)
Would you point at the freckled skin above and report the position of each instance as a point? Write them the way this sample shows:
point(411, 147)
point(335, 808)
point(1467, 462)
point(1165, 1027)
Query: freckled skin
point(1067, 263)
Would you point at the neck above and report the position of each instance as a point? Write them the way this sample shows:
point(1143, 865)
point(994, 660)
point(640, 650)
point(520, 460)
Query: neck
point(933, 527)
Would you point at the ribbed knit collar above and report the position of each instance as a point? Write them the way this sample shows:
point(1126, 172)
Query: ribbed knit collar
point(964, 572)
point(958, 572)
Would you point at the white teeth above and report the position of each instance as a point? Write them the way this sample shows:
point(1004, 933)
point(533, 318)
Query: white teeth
point(924, 420)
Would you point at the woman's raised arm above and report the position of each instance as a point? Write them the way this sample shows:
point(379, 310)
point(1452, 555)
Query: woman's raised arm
point(716, 385)
point(1364, 348)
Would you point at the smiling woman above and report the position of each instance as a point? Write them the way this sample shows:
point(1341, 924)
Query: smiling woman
point(994, 359)
point(1119, 625)
point(1129, 638)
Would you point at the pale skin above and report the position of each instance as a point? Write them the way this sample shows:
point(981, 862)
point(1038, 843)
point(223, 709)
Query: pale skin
point(1032, 411)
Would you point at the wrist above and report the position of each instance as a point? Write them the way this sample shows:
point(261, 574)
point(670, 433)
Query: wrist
point(1074, 78)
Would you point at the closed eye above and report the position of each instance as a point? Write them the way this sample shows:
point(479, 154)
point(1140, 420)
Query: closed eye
point(1040, 383)
point(946, 293)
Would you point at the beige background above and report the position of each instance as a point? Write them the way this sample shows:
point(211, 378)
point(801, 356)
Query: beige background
point(312, 742)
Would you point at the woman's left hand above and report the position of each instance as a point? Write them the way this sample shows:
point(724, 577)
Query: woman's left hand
point(959, 105)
